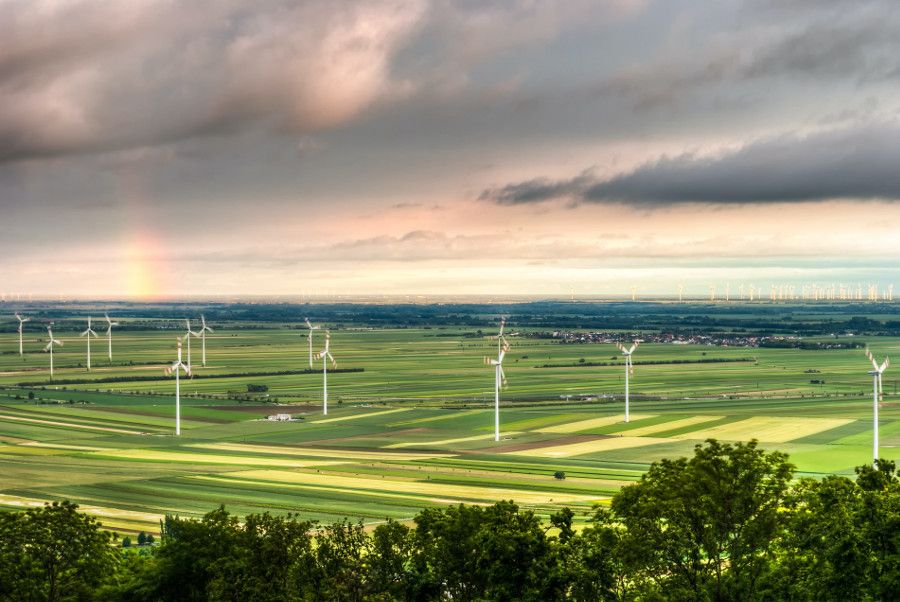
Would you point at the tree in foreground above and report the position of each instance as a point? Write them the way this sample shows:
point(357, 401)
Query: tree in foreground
point(704, 527)
point(53, 553)
point(842, 539)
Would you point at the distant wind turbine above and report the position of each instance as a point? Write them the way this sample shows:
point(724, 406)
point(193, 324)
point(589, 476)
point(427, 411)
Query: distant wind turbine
point(176, 365)
point(325, 355)
point(187, 337)
point(21, 321)
point(203, 330)
point(629, 371)
point(109, 327)
point(50, 345)
point(311, 327)
point(499, 378)
point(878, 392)
point(89, 333)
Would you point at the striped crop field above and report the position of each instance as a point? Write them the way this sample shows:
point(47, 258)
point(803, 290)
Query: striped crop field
point(410, 423)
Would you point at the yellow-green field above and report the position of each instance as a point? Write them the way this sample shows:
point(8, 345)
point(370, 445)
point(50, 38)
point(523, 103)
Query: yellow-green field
point(411, 428)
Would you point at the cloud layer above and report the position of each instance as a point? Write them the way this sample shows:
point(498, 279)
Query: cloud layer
point(84, 75)
point(858, 163)
point(200, 144)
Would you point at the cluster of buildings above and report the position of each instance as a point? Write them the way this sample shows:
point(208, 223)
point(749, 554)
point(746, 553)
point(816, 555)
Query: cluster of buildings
point(721, 340)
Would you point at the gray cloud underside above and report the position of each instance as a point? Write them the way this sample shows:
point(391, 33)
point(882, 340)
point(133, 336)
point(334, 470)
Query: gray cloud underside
point(859, 163)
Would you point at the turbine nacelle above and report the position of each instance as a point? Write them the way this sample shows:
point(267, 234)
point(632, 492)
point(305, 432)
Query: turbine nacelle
point(89, 330)
point(178, 363)
point(109, 325)
point(630, 350)
point(326, 352)
point(53, 341)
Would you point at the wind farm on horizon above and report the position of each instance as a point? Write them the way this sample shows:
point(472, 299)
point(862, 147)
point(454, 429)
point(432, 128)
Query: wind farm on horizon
point(414, 396)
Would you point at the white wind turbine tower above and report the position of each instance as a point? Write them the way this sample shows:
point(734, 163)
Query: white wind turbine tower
point(109, 327)
point(21, 321)
point(680, 293)
point(203, 330)
point(629, 371)
point(877, 393)
point(325, 355)
point(50, 345)
point(634, 293)
point(187, 337)
point(499, 377)
point(310, 328)
point(176, 365)
point(89, 333)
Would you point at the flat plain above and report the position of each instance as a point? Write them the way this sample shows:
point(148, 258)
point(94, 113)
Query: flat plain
point(410, 423)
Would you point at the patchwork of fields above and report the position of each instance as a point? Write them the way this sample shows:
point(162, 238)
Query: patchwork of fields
point(412, 430)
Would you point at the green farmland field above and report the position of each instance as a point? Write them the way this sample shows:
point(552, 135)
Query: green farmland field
point(410, 426)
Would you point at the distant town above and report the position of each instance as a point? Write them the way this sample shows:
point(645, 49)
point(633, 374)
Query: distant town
point(717, 340)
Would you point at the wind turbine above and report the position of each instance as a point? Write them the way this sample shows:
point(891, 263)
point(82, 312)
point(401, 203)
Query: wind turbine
point(501, 338)
point(680, 292)
point(109, 326)
point(877, 393)
point(325, 355)
point(309, 338)
point(499, 377)
point(50, 345)
point(187, 372)
point(187, 337)
point(629, 371)
point(21, 321)
point(203, 332)
point(89, 333)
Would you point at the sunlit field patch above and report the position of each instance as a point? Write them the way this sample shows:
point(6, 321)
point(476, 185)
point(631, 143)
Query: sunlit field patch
point(591, 423)
point(589, 447)
point(72, 425)
point(447, 493)
point(767, 429)
point(362, 415)
point(155, 455)
point(343, 454)
point(442, 442)
point(670, 425)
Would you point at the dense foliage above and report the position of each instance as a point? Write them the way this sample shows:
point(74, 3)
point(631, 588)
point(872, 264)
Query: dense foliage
point(730, 523)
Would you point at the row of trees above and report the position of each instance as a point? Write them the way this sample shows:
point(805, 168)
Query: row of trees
point(730, 523)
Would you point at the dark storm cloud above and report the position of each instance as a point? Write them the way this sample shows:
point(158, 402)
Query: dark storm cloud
point(822, 43)
point(858, 163)
point(538, 190)
point(84, 75)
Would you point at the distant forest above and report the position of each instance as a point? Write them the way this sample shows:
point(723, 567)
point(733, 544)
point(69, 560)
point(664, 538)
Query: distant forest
point(680, 318)
point(728, 524)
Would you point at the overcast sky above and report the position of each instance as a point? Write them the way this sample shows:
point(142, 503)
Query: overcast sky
point(277, 147)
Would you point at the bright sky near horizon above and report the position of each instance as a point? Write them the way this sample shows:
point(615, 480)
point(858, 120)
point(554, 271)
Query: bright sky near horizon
point(446, 147)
